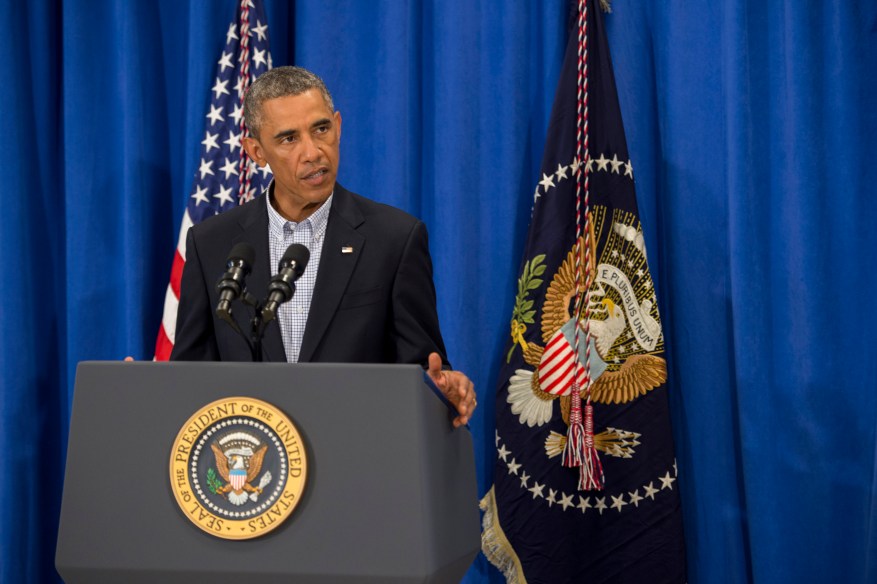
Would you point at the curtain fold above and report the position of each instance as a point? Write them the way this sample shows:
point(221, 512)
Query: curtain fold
point(752, 128)
point(33, 404)
point(760, 128)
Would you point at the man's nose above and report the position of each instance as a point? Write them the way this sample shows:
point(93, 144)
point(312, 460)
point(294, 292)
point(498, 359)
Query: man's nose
point(310, 151)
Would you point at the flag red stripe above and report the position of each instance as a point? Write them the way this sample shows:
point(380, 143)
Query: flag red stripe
point(163, 346)
point(177, 273)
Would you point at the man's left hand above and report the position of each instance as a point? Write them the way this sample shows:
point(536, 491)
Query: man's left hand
point(456, 387)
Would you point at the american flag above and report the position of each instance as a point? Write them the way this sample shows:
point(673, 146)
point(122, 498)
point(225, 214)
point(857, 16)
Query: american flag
point(217, 185)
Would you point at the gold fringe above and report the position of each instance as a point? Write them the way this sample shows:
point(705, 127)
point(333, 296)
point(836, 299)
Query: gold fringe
point(606, 5)
point(495, 545)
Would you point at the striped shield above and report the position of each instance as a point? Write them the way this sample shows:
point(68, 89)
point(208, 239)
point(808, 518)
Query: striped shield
point(558, 364)
point(237, 477)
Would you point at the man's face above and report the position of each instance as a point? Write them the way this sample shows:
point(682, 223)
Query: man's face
point(299, 139)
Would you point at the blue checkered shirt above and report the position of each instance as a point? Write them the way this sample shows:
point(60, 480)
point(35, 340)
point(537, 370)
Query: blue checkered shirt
point(293, 315)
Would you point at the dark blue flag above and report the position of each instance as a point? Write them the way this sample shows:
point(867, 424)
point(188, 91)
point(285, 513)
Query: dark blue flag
point(539, 525)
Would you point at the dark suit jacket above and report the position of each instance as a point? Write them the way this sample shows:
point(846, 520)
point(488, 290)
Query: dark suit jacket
point(375, 305)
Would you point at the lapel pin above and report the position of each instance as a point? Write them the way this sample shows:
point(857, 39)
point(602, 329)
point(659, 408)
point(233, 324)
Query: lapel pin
point(346, 249)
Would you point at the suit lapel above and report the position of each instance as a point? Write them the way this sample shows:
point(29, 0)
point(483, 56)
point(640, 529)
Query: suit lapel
point(254, 230)
point(336, 268)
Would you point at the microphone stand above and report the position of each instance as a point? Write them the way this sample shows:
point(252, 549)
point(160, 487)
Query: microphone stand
point(257, 324)
point(257, 328)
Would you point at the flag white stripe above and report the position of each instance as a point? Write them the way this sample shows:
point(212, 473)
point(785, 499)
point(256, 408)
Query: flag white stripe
point(169, 318)
point(184, 231)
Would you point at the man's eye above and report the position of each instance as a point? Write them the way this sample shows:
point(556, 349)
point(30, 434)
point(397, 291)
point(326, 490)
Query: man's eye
point(288, 140)
point(321, 129)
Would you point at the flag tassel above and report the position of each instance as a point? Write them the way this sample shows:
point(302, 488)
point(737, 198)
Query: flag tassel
point(591, 469)
point(574, 451)
point(581, 450)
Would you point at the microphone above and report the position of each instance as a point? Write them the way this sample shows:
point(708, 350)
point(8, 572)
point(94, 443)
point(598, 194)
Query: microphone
point(231, 284)
point(282, 286)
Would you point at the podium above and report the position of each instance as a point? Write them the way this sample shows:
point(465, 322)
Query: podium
point(390, 494)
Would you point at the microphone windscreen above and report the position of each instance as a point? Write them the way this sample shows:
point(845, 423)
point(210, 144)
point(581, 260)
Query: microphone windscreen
point(296, 253)
point(244, 252)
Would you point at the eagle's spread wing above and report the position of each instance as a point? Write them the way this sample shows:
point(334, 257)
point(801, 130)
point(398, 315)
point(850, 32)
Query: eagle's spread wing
point(221, 461)
point(558, 297)
point(639, 375)
point(256, 463)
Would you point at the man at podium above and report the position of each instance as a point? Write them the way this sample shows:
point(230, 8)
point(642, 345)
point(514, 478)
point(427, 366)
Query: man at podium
point(366, 294)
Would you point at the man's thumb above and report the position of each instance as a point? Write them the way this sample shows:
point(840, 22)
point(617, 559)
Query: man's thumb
point(435, 365)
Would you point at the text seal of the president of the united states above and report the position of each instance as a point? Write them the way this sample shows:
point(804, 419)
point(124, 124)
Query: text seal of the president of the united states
point(238, 468)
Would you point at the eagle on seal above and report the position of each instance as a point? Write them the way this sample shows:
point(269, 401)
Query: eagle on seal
point(239, 465)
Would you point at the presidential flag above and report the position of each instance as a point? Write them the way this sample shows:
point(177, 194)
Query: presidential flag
point(225, 177)
point(585, 488)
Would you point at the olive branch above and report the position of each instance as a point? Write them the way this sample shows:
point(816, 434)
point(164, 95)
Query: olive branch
point(213, 483)
point(523, 313)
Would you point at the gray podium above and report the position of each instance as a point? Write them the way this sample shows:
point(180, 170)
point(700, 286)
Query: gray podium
point(390, 495)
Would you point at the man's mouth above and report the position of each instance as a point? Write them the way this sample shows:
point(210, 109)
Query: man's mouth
point(316, 176)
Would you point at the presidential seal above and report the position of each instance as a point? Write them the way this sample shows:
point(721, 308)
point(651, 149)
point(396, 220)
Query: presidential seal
point(626, 342)
point(238, 468)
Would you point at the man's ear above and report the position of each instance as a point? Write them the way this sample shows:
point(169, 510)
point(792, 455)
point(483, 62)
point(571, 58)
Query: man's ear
point(254, 150)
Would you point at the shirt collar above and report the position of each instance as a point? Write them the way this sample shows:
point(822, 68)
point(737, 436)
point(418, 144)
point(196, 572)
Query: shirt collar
point(319, 219)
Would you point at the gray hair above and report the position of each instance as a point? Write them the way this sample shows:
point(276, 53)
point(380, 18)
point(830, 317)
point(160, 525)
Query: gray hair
point(279, 82)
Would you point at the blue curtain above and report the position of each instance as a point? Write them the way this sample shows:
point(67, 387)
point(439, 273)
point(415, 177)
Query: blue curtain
point(753, 125)
point(752, 128)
